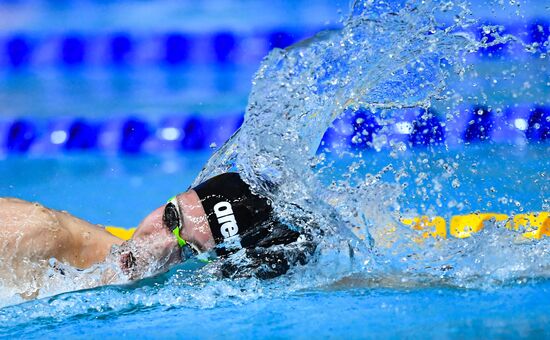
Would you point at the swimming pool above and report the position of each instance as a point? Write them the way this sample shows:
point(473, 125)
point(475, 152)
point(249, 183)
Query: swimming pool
point(490, 285)
point(354, 306)
point(356, 312)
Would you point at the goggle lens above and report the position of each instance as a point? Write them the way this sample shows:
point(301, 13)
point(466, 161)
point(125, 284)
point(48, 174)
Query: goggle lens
point(171, 217)
point(172, 221)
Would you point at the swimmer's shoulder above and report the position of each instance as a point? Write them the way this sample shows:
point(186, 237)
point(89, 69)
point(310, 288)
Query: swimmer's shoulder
point(20, 214)
point(90, 243)
point(32, 230)
point(12, 202)
point(39, 232)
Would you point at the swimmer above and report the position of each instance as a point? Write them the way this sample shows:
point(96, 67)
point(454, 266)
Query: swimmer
point(220, 222)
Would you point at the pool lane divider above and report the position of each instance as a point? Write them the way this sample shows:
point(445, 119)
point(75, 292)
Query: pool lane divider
point(173, 48)
point(129, 135)
point(354, 129)
point(531, 225)
point(120, 232)
point(120, 49)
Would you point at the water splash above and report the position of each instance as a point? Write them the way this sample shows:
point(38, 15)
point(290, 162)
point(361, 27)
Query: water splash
point(388, 56)
point(382, 59)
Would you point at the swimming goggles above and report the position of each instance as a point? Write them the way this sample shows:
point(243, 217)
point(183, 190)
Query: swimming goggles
point(172, 219)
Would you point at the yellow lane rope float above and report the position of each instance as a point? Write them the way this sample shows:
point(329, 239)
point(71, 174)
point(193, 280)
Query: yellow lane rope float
point(534, 225)
point(122, 233)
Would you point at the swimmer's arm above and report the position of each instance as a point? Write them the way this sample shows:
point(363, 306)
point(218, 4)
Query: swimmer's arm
point(31, 231)
point(91, 243)
point(30, 235)
point(35, 233)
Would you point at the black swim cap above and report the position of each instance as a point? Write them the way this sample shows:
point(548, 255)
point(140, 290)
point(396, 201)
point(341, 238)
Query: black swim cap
point(232, 209)
point(271, 247)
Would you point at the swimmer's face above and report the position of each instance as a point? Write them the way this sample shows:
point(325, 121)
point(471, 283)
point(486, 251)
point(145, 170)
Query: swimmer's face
point(155, 245)
point(187, 214)
point(154, 238)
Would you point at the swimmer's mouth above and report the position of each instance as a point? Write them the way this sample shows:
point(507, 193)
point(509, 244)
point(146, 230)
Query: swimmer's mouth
point(128, 263)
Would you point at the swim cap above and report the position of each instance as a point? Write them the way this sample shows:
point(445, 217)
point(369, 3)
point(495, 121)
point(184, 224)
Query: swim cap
point(231, 208)
point(234, 212)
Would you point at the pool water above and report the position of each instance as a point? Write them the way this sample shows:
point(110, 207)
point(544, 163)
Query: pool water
point(120, 191)
point(490, 285)
point(518, 310)
point(110, 191)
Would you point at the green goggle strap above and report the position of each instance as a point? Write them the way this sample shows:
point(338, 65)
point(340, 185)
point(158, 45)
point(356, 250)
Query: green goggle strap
point(176, 231)
point(181, 242)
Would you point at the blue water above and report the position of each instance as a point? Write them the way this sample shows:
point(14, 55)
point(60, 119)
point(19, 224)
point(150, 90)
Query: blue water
point(111, 191)
point(120, 191)
point(504, 295)
point(351, 312)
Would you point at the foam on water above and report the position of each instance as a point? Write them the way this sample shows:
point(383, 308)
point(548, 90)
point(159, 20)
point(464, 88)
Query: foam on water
point(388, 56)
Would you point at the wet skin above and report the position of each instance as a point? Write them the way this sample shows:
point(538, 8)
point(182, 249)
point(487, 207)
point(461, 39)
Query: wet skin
point(31, 234)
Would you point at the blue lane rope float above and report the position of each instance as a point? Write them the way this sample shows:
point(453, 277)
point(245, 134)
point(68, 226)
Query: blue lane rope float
point(281, 39)
point(134, 133)
point(488, 36)
point(427, 129)
point(81, 135)
point(73, 50)
point(121, 47)
point(357, 129)
point(22, 49)
point(18, 51)
point(538, 127)
point(177, 48)
point(20, 136)
point(539, 32)
point(225, 44)
point(365, 127)
point(125, 48)
point(480, 125)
